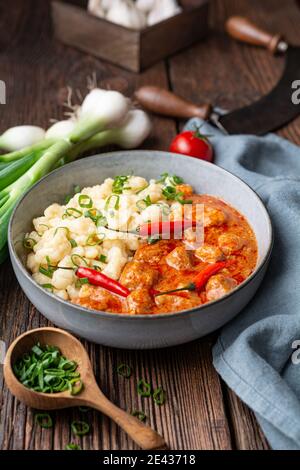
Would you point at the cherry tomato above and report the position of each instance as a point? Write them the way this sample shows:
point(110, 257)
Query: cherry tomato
point(194, 144)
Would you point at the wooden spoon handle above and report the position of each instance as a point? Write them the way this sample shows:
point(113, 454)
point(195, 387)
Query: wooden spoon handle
point(143, 435)
point(242, 29)
point(160, 101)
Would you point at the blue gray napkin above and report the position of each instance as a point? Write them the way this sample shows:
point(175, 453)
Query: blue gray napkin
point(254, 352)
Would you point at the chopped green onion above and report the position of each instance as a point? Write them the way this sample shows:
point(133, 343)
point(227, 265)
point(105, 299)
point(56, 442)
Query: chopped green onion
point(144, 388)
point(75, 386)
point(159, 396)
point(119, 183)
point(169, 192)
point(73, 243)
point(72, 446)
point(177, 179)
point(85, 201)
point(115, 205)
point(45, 370)
point(103, 258)
point(101, 221)
point(81, 281)
point(29, 243)
point(46, 272)
point(48, 286)
point(62, 228)
point(72, 212)
point(44, 420)
point(93, 239)
point(139, 415)
point(80, 428)
point(75, 258)
point(144, 203)
point(124, 370)
point(154, 239)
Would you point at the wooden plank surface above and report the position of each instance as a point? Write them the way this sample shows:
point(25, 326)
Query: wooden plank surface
point(200, 412)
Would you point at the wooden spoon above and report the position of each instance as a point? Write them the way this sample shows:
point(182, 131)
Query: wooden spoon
point(90, 396)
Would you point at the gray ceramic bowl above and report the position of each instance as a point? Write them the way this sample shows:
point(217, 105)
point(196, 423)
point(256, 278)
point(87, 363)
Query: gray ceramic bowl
point(139, 331)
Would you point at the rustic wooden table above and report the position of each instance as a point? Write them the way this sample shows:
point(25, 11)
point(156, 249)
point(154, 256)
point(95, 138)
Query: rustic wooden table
point(201, 412)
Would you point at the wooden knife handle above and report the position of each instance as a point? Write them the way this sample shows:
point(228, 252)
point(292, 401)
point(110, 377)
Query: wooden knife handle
point(242, 29)
point(161, 101)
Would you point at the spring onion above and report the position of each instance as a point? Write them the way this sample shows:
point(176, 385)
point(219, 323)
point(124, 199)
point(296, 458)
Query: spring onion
point(159, 396)
point(72, 446)
point(77, 260)
point(44, 420)
point(85, 201)
point(80, 428)
point(45, 369)
point(144, 388)
point(139, 415)
point(72, 212)
point(29, 243)
point(124, 370)
point(21, 136)
point(97, 124)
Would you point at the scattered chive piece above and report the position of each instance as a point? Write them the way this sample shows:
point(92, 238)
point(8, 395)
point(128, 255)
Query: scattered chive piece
point(144, 203)
point(93, 239)
point(62, 228)
point(72, 212)
point(44, 369)
point(75, 257)
point(80, 428)
point(85, 201)
point(139, 415)
point(153, 240)
point(119, 184)
point(124, 370)
point(48, 286)
point(81, 281)
point(144, 388)
point(75, 386)
point(142, 189)
point(159, 396)
point(47, 272)
point(115, 205)
point(44, 420)
point(72, 446)
point(103, 258)
point(29, 243)
point(73, 243)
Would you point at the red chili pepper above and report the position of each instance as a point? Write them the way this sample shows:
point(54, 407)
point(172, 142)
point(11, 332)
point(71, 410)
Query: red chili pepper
point(200, 280)
point(171, 227)
point(98, 279)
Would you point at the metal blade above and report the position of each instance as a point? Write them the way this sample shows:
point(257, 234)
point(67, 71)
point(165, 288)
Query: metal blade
point(271, 111)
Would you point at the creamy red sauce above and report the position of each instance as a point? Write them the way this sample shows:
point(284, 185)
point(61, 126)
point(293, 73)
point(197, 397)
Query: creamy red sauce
point(168, 264)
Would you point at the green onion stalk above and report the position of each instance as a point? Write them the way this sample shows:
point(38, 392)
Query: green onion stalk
point(44, 157)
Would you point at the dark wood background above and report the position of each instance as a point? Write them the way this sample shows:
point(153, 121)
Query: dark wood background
point(201, 412)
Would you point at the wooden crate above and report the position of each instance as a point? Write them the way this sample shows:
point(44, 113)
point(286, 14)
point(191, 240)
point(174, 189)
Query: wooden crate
point(131, 49)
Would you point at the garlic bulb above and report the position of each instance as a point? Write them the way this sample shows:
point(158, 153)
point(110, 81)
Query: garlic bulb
point(145, 5)
point(162, 10)
point(96, 8)
point(125, 13)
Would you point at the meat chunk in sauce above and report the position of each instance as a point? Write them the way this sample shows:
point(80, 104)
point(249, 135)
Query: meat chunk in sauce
point(154, 253)
point(213, 216)
point(209, 253)
point(230, 243)
point(218, 286)
point(173, 303)
point(139, 301)
point(179, 259)
point(138, 274)
point(98, 299)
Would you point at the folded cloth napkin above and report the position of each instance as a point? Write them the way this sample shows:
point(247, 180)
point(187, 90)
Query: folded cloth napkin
point(254, 353)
